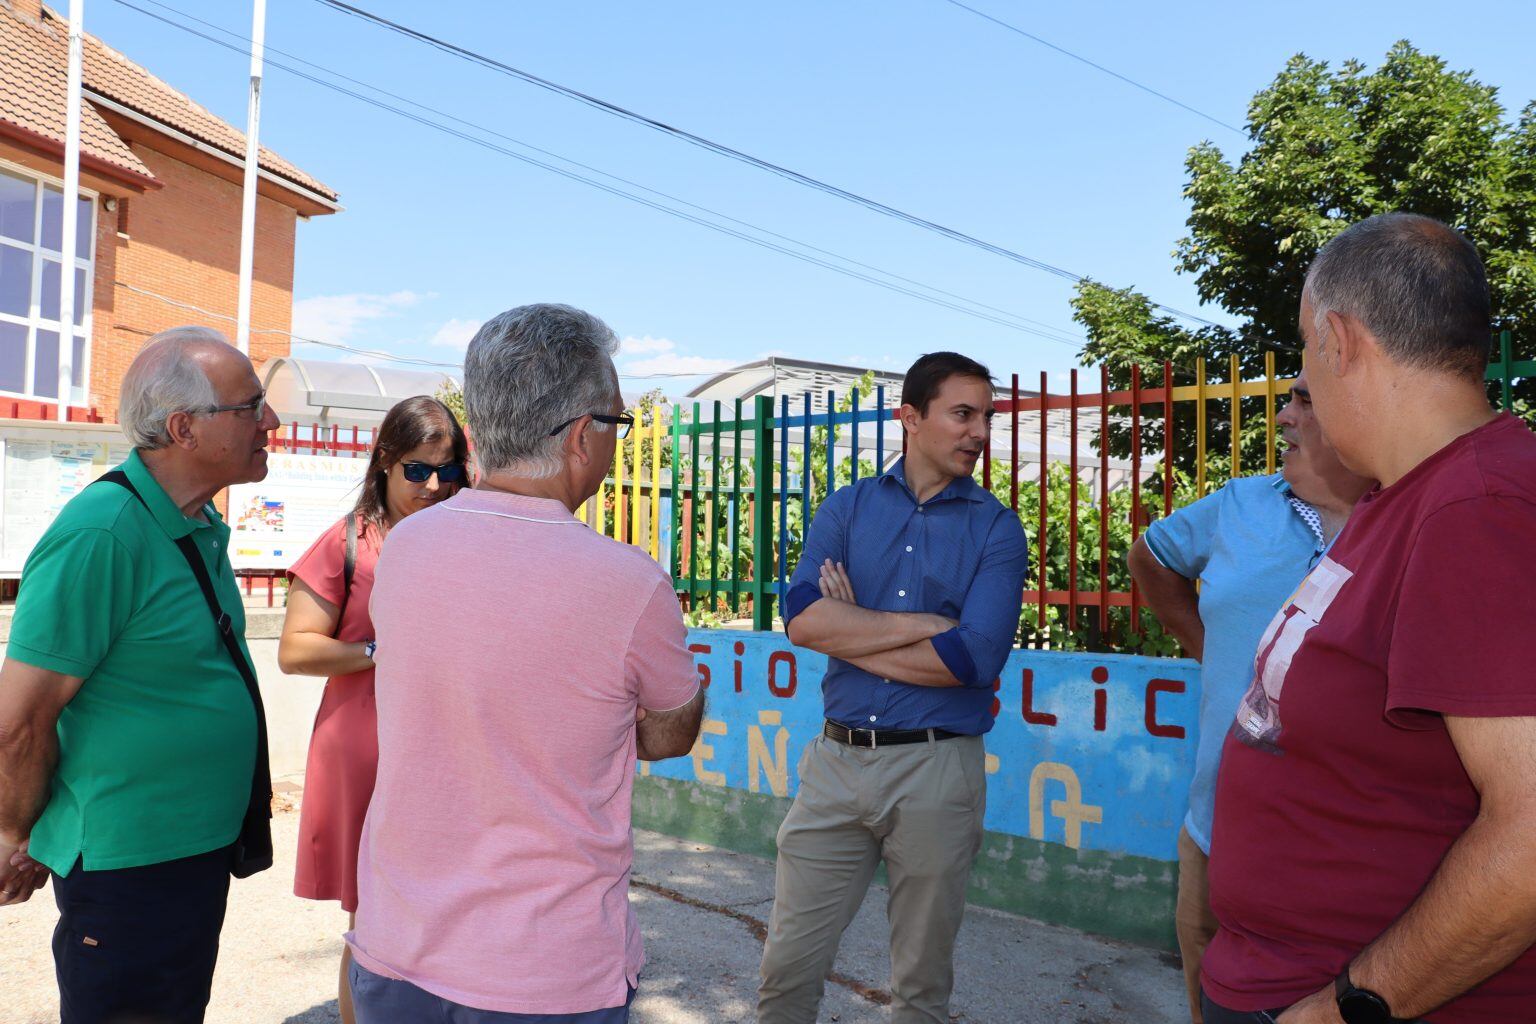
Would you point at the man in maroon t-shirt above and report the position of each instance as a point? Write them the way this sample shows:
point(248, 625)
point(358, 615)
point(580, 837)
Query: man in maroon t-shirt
point(1374, 848)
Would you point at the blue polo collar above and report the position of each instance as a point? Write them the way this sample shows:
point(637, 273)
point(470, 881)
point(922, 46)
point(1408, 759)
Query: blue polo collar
point(1303, 509)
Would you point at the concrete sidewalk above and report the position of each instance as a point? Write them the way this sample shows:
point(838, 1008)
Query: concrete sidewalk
point(703, 911)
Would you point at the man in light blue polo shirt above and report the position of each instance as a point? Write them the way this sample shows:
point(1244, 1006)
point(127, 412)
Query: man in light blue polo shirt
point(1249, 545)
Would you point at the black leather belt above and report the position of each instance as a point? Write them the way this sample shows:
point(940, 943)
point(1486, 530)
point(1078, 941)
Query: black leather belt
point(876, 738)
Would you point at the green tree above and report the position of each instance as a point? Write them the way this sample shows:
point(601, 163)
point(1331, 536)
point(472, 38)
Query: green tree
point(1329, 147)
point(451, 395)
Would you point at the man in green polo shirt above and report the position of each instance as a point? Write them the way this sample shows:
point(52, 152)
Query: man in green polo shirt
point(128, 738)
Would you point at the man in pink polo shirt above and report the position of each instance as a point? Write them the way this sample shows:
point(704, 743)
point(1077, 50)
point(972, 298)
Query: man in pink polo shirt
point(524, 662)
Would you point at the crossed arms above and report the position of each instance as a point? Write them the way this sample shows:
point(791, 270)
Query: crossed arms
point(920, 648)
point(893, 645)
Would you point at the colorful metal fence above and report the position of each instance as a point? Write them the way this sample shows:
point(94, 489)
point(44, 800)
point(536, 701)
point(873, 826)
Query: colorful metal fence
point(721, 493)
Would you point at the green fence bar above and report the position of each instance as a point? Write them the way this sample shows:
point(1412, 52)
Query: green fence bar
point(676, 555)
point(693, 511)
point(762, 514)
point(735, 519)
point(714, 507)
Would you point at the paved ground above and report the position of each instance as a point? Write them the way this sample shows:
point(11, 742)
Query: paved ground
point(702, 910)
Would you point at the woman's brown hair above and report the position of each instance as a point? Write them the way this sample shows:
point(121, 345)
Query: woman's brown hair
point(411, 423)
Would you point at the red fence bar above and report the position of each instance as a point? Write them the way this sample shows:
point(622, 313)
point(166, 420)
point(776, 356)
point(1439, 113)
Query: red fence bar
point(1044, 463)
point(1167, 439)
point(1104, 499)
point(1013, 465)
point(1135, 487)
point(1072, 514)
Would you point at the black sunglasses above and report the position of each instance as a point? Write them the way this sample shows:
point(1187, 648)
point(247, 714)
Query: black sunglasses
point(620, 423)
point(420, 472)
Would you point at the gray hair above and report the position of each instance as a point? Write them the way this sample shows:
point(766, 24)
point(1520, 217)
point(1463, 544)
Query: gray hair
point(527, 371)
point(164, 379)
point(1417, 285)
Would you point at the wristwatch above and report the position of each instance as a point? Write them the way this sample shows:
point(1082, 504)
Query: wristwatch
point(1360, 1005)
point(368, 648)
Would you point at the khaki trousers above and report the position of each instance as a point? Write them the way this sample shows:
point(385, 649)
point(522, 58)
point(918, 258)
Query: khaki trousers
point(1193, 921)
point(919, 808)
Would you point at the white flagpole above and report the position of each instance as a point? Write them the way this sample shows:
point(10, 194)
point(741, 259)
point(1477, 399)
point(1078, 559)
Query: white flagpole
point(71, 211)
point(252, 162)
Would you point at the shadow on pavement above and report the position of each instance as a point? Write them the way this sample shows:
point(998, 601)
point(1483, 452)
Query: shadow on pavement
point(320, 1013)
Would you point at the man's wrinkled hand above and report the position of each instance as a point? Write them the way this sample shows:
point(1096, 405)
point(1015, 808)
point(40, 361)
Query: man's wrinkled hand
point(1318, 1008)
point(20, 875)
point(835, 583)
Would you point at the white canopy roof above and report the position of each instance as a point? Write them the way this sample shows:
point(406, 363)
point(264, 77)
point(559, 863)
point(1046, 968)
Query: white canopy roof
point(346, 394)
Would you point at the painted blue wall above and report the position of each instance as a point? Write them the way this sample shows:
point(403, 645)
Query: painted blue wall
point(1093, 752)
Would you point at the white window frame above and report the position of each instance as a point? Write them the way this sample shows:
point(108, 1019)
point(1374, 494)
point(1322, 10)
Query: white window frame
point(34, 321)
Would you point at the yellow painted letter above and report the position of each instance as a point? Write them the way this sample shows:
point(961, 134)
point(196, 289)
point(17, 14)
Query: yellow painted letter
point(1072, 810)
point(775, 767)
point(703, 752)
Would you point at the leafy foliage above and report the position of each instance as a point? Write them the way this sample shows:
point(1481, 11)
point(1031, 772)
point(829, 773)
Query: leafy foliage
point(1329, 147)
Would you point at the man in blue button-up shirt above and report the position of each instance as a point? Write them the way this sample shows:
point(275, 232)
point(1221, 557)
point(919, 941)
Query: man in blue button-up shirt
point(911, 583)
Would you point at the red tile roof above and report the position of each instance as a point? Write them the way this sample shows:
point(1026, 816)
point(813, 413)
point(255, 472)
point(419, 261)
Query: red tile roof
point(34, 59)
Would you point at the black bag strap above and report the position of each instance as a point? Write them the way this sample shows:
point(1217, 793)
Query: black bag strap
point(253, 850)
point(348, 567)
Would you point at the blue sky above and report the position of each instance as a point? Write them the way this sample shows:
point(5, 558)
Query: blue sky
point(915, 103)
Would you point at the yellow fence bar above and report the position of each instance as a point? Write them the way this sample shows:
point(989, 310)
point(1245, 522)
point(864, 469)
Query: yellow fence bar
point(1199, 428)
point(637, 453)
point(1248, 389)
point(617, 523)
point(1269, 413)
point(658, 434)
point(1237, 414)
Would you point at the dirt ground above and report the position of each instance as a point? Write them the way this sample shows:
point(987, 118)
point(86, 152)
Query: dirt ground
point(702, 911)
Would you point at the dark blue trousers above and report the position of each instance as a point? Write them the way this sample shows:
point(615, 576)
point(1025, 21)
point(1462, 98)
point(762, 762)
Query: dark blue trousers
point(380, 1000)
point(138, 945)
point(1215, 1013)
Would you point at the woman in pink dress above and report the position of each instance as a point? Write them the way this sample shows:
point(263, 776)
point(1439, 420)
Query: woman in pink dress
point(419, 458)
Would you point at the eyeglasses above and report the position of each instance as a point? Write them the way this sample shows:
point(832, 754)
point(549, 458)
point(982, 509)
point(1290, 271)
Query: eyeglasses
point(621, 424)
point(252, 409)
point(421, 472)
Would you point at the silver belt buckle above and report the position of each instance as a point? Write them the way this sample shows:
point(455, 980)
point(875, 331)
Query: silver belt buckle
point(873, 740)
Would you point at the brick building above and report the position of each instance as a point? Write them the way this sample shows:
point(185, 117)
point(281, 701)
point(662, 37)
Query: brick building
point(159, 236)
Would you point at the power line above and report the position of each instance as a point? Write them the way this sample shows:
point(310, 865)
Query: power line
point(718, 148)
point(1004, 318)
point(373, 353)
point(1099, 67)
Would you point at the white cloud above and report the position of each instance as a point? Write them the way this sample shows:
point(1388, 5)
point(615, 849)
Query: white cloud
point(335, 318)
point(455, 334)
point(663, 357)
point(633, 346)
point(671, 362)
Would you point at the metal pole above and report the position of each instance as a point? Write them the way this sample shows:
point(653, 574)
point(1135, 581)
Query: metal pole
point(71, 211)
point(252, 164)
